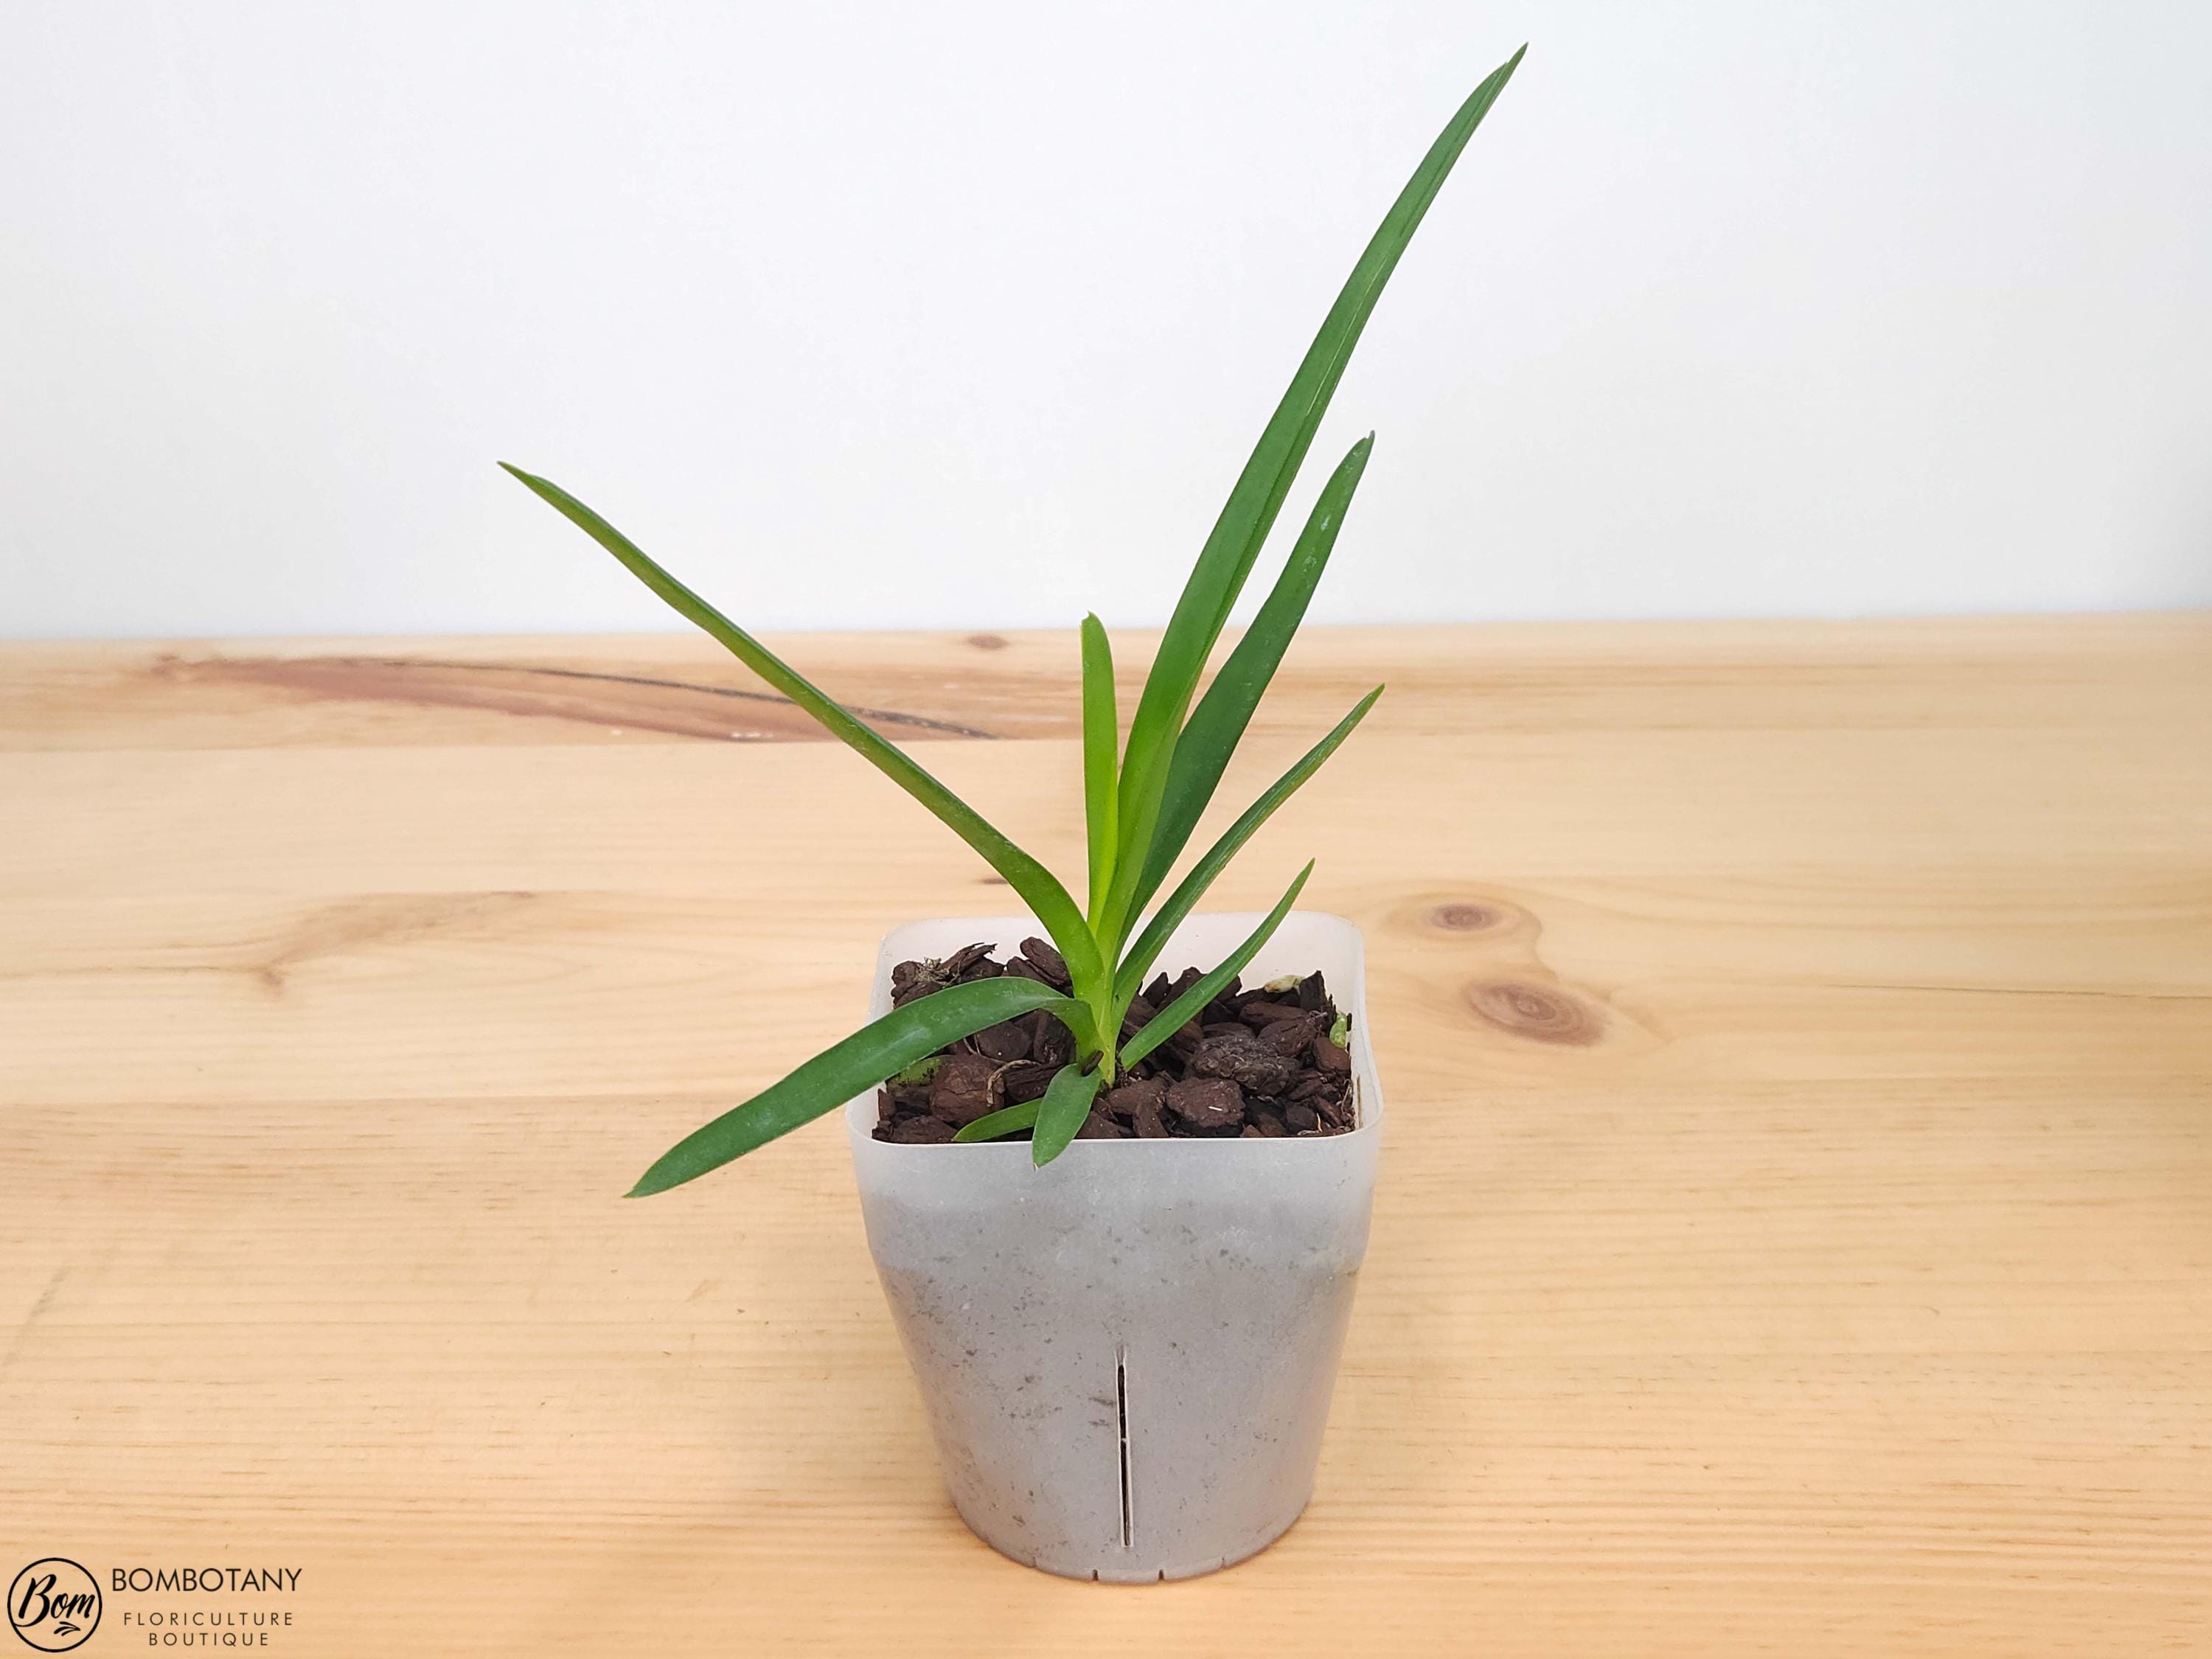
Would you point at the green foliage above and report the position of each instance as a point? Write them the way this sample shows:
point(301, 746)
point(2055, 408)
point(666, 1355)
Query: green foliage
point(1216, 725)
point(1007, 1120)
point(1186, 1007)
point(1142, 799)
point(1141, 956)
point(1067, 1102)
point(1101, 777)
point(860, 1061)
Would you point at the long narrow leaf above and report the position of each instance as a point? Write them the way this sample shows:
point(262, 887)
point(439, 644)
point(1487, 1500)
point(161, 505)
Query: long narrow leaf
point(1101, 758)
point(1238, 535)
point(833, 1077)
point(1004, 1121)
point(1188, 1007)
point(1038, 888)
point(1218, 724)
point(1169, 917)
point(1067, 1102)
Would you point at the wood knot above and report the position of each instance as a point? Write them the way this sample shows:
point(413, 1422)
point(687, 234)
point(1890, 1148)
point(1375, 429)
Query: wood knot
point(988, 642)
point(1536, 1012)
point(1465, 918)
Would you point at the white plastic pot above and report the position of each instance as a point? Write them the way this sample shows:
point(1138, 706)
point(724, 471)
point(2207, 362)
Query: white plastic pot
point(1127, 1356)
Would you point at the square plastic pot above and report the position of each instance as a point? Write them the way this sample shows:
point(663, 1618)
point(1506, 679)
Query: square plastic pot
point(1127, 1356)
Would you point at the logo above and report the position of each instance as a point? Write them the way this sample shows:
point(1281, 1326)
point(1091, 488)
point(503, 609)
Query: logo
point(53, 1605)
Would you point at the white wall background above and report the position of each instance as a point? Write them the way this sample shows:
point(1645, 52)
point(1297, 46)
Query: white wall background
point(966, 313)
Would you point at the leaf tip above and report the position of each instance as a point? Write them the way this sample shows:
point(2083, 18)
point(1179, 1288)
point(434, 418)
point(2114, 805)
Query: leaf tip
point(653, 1181)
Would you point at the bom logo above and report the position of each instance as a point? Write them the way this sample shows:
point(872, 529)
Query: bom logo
point(53, 1605)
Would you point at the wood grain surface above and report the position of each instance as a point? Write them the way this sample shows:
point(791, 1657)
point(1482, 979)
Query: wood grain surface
point(1795, 1233)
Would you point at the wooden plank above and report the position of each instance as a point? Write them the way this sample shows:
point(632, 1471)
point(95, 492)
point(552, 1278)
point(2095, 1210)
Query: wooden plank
point(2009, 672)
point(1792, 1233)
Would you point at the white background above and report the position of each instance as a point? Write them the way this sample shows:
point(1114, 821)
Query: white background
point(965, 314)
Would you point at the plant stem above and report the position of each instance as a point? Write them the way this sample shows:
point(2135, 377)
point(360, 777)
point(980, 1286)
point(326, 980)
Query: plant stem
point(1098, 996)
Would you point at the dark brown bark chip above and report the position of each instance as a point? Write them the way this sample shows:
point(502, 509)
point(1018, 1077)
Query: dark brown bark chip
point(1026, 1080)
point(1210, 1104)
point(968, 962)
point(1255, 1064)
point(1293, 1038)
point(1162, 990)
point(1124, 1100)
point(1051, 1044)
point(1238, 1055)
point(966, 1086)
point(1003, 1042)
point(910, 980)
point(1055, 966)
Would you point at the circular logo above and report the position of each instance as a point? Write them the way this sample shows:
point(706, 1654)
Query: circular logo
point(53, 1604)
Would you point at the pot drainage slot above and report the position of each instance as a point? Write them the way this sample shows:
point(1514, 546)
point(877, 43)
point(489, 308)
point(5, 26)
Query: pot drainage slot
point(1121, 1411)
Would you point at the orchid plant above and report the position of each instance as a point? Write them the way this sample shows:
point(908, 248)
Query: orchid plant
point(1143, 798)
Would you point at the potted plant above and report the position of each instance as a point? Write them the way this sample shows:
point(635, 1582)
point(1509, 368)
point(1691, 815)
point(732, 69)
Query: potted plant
point(1118, 1215)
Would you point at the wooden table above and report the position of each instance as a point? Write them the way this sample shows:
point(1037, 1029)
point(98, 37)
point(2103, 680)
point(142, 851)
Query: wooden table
point(1795, 1231)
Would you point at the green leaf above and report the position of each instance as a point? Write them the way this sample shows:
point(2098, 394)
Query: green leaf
point(1238, 535)
point(1067, 1102)
point(1186, 1007)
point(1038, 888)
point(1216, 725)
point(1138, 962)
point(1101, 741)
point(1004, 1121)
point(845, 1069)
